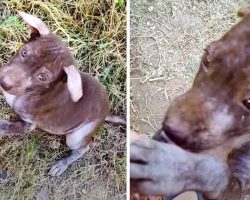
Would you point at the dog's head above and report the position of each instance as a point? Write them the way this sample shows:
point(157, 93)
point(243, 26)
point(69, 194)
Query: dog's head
point(217, 107)
point(40, 63)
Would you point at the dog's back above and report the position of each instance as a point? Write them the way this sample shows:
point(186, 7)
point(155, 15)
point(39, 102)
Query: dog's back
point(55, 112)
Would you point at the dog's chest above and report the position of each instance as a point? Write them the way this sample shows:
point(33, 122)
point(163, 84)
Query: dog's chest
point(16, 104)
point(9, 98)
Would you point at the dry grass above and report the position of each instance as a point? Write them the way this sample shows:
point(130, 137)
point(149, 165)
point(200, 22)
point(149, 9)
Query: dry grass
point(95, 32)
point(167, 41)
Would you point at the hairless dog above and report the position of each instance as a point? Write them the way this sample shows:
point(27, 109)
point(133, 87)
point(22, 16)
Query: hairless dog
point(46, 90)
point(207, 129)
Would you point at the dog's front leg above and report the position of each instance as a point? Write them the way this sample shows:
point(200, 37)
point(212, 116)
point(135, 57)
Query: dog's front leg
point(164, 169)
point(78, 142)
point(15, 127)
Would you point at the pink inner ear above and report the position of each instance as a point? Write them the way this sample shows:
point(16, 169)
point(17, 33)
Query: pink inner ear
point(74, 82)
point(34, 24)
point(33, 32)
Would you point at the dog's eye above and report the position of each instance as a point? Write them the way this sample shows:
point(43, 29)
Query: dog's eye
point(24, 52)
point(246, 103)
point(42, 77)
point(204, 60)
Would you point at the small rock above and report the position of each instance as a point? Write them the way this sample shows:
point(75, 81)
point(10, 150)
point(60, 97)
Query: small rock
point(54, 144)
point(43, 193)
point(151, 8)
point(148, 23)
point(152, 27)
point(84, 191)
point(4, 175)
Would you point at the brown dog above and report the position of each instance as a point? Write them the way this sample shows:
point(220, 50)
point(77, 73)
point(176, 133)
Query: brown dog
point(211, 124)
point(45, 89)
point(213, 117)
point(215, 112)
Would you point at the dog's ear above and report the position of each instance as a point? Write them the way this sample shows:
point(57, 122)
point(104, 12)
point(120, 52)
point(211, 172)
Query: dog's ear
point(210, 52)
point(74, 82)
point(243, 12)
point(35, 25)
point(214, 50)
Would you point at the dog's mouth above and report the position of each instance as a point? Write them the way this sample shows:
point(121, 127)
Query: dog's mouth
point(166, 136)
point(15, 90)
point(161, 136)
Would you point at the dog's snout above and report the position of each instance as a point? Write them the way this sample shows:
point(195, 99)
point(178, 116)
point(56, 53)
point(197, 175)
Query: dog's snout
point(5, 85)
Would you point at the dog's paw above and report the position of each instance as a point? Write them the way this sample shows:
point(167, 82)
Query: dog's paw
point(58, 168)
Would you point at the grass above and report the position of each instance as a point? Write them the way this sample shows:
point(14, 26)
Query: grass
point(167, 41)
point(95, 32)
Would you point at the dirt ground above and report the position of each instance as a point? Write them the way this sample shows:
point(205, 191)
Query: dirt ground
point(167, 41)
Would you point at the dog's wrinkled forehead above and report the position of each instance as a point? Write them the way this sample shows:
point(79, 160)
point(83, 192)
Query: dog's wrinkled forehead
point(226, 63)
point(44, 48)
point(233, 49)
point(49, 42)
point(49, 50)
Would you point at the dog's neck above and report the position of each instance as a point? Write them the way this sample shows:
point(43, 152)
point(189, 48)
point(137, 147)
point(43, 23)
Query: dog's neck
point(226, 148)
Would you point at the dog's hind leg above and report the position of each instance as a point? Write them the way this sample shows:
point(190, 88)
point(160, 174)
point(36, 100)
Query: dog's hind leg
point(16, 127)
point(78, 142)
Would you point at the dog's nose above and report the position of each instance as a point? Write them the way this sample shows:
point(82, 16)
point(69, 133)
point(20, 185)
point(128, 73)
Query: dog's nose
point(5, 85)
point(174, 135)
